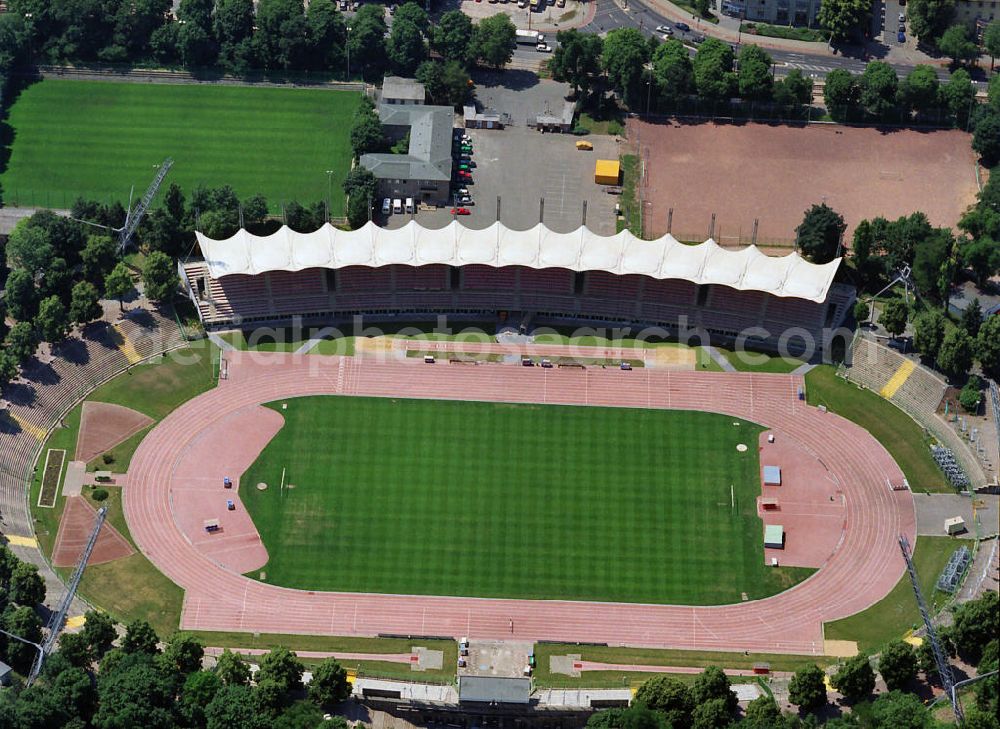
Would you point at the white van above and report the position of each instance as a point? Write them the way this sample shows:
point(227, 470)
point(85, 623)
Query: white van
point(409, 204)
point(397, 206)
point(386, 206)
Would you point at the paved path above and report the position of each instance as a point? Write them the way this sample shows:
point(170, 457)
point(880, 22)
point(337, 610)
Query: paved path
point(863, 569)
point(339, 655)
point(598, 666)
point(720, 359)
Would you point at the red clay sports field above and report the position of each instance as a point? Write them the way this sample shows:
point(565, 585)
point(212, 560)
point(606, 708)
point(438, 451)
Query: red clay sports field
point(181, 462)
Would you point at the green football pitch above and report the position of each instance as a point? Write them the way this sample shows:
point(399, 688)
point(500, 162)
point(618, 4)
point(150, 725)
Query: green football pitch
point(97, 139)
point(496, 500)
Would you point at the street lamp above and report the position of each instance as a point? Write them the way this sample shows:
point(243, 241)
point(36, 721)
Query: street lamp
point(329, 192)
point(347, 45)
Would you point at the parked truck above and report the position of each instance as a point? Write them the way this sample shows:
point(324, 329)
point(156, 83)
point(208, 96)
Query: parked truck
point(529, 37)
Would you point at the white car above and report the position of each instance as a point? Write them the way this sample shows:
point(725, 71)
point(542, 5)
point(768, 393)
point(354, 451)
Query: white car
point(462, 192)
point(466, 200)
point(664, 29)
point(386, 206)
point(543, 48)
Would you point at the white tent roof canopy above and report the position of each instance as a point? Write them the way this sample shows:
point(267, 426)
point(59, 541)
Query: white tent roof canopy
point(455, 245)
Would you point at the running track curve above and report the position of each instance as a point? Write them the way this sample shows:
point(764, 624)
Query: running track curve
point(863, 568)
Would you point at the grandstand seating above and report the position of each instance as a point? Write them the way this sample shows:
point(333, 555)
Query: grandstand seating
point(748, 303)
point(363, 278)
point(489, 278)
point(793, 312)
point(546, 280)
point(421, 278)
point(603, 285)
point(670, 291)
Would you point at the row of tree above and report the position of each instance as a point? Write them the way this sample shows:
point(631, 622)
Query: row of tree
point(241, 35)
point(92, 682)
point(653, 75)
point(709, 703)
point(22, 591)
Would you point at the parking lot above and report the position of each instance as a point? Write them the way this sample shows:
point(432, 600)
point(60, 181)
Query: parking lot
point(525, 174)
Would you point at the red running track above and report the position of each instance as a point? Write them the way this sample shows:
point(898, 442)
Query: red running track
point(864, 567)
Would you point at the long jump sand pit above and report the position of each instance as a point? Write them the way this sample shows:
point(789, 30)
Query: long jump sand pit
point(743, 172)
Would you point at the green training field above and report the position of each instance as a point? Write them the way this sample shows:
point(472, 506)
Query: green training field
point(97, 139)
point(496, 500)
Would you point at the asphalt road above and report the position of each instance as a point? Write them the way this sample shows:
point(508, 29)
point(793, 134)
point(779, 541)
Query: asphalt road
point(610, 15)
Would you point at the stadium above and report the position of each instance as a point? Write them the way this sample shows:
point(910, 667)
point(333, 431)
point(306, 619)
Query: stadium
point(769, 303)
point(291, 527)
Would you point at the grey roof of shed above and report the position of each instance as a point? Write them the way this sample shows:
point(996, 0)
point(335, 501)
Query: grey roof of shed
point(492, 689)
point(429, 154)
point(397, 87)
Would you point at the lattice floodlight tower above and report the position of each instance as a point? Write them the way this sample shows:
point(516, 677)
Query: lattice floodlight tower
point(58, 617)
point(134, 216)
point(940, 658)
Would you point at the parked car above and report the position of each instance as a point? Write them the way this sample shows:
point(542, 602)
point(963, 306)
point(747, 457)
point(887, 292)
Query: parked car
point(663, 29)
point(902, 17)
point(461, 211)
point(901, 28)
point(397, 206)
point(668, 33)
point(386, 206)
point(462, 191)
point(901, 37)
point(561, 3)
point(463, 175)
point(698, 39)
point(543, 48)
point(466, 200)
point(682, 27)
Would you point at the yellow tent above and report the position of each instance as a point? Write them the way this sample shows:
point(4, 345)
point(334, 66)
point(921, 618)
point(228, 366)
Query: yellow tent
point(607, 172)
point(584, 145)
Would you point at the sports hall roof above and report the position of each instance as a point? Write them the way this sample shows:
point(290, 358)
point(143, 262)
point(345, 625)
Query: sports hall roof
point(582, 250)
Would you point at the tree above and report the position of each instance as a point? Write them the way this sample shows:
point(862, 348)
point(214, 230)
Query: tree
point(855, 678)
point(972, 318)
point(197, 692)
point(762, 713)
point(84, 304)
point(807, 689)
point(928, 333)
point(411, 12)
point(99, 629)
point(366, 133)
point(879, 87)
point(26, 585)
point(983, 257)
point(843, 17)
point(673, 72)
point(22, 340)
point(159, 277)
point(986, 137)
point(921, 89)
point(754, 75)
point(134, 693)
point(956, 353)
point(327, 35)
point(897, 664)
point(711, 714)
point(841, 93)
point(713, 70)
point(406, 47)
point(359, 211)
point(893, 317)
point(933, 267)
point(991, 41)
point(52, 321)
point(988, 347)
point(494, 40)
point(232, 669)
point(712, 683)
point(28, 247)
point(98, 257)
point(140, 638)
point(24, 622)
point(577, 60)
point(977, 622)
point(57, 280)
point(20, 295)
point(794, 90)
point(119, 284)
point(329, 684)
point(304, 715)
point(282, 36)
point(898, 710)
point(183, 653)
point(366, 41)
point(456, 82)
point(235, 706)
point(669, 697)
point(957, 45)
point(819, 234)
point(9, 367)
point(233, 26)
point(283, 667)
point(623, 56)
point(195, 45)
point(74, 647)
point(959, 95)
point(929, 18)
point(452, 36)
point(862, 310)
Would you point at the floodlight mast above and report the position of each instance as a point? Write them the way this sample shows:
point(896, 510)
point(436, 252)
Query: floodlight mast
point(135, 215)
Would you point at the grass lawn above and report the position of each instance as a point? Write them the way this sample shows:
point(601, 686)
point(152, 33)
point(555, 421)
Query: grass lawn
point(631, 206)
point(893, 428)
point(897, 612)
point(342, 644)
point(651, 657)
point(758, 362)
point(497, 500)
point(132, 587)
point(97, 139)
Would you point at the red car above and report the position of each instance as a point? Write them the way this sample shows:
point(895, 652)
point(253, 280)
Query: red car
point(464, 174)
point(461, 211)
